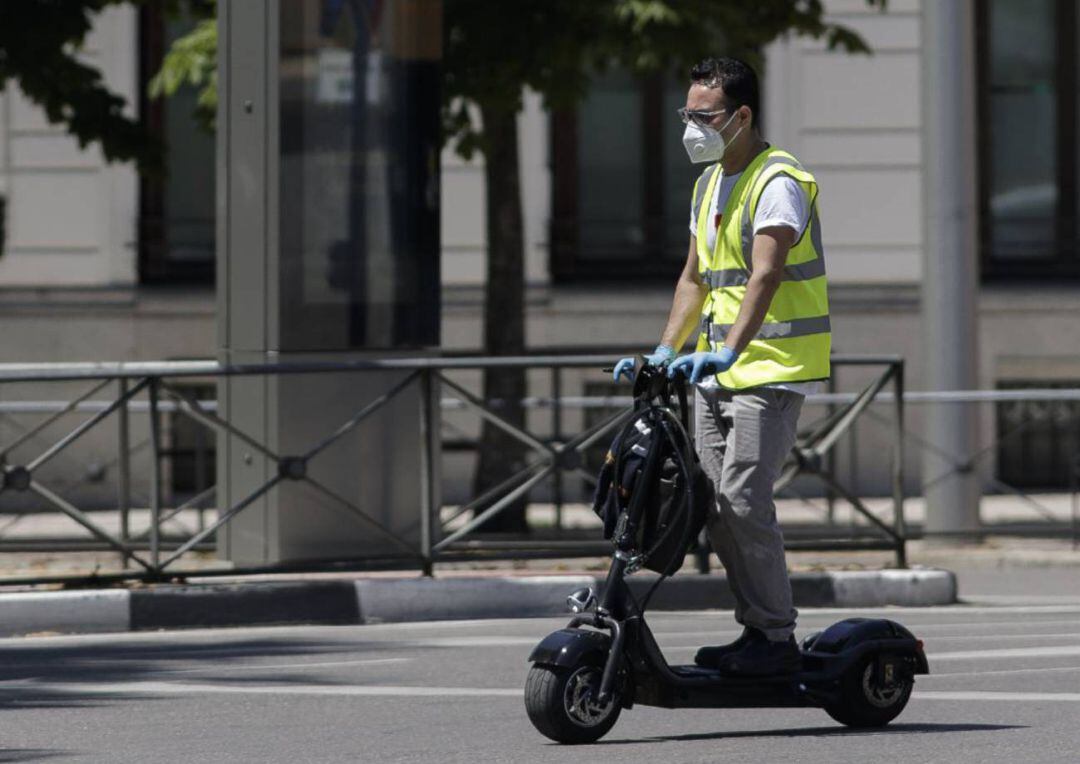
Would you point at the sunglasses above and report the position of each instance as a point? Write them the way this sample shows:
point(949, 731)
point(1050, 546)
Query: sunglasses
point(700, 118)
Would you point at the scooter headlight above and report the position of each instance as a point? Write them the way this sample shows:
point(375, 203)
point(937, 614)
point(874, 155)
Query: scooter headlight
point(581, 600)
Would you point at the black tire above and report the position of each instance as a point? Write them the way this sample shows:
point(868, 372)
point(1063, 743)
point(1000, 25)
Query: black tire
point(557, 701)
point(864, 703)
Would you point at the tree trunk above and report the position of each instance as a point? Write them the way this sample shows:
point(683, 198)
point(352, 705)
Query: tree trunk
point(500, 455)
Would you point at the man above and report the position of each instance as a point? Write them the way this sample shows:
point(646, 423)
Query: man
point(753, 294)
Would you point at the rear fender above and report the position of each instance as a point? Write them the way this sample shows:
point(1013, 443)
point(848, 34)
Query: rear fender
point(856, 635)
point(572, 647)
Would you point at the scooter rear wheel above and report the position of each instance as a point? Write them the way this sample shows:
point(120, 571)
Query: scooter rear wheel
point(560, 703)
point(865, 701)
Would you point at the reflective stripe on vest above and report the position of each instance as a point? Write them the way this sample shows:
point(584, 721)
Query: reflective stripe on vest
point(729, 277)
point(798, 327)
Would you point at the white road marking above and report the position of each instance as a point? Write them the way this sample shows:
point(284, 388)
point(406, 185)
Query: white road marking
point(478, 641)
point(998, 672)
point(207, 688)
point(285, 666)
point(1014, 624)
point(1070, 697)
point(1011, 652)
point(178, 688)
point(1025, 599)
point(995, 637)
point(919, 629)
point(1067, 607)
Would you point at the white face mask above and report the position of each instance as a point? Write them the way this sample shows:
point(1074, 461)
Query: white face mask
point(706, 144)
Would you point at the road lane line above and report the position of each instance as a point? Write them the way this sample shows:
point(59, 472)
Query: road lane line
point(477, 641)
point(998, 672)
point(919, 629)
point(1010, 652)
point(1069, 697)
point(206, 688)
point(177, 688)
point(281, 666)
point(994, 637)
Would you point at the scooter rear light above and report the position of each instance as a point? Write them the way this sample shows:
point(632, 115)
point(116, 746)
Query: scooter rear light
point(918, 644)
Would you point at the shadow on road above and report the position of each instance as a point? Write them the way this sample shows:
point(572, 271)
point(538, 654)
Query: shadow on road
point(892, 729)
point(26, 673)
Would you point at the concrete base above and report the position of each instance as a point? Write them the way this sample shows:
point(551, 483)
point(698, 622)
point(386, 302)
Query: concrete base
point(390, 600)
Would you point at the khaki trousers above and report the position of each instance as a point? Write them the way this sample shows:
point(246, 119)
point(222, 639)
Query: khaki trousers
point(743, 439)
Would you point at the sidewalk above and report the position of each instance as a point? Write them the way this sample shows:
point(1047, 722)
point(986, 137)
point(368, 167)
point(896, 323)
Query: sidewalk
point(488, 589)
point(386, 598)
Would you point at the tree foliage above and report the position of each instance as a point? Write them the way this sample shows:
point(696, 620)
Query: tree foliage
point(192, 60)
point(43, 50)
point(42, 46)
point(554, 47)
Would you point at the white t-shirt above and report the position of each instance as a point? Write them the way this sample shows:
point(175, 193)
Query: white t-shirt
point(782, 203)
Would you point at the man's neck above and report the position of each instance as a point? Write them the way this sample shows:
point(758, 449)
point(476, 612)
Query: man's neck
point(736, 158)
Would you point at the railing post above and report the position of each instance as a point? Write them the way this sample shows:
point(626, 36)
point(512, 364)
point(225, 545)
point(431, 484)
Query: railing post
point(123, 477)
point(898, 465)
point(155, 477)
point(428, 510)
point(853, 469)
point(1074, 478)
point(830, 457)
point(556, 436)
point(201, 479)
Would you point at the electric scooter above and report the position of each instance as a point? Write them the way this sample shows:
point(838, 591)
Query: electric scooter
point(861, 671)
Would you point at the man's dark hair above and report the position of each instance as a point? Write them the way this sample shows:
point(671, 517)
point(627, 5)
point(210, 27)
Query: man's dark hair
point(737, 79)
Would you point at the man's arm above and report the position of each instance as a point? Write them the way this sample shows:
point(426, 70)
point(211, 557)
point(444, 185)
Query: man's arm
point(770, 251)
point(690, 294)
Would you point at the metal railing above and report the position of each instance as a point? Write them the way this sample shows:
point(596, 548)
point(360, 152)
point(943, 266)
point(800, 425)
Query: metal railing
point(451, 533)
point(153, 389)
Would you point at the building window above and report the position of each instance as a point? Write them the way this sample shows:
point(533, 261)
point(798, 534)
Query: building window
point(1038, 441)
point(1027, 108)
point(622, 182)
point(176, 210)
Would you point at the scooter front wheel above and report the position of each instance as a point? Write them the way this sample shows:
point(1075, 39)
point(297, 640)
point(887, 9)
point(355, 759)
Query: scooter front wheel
point(561, 703)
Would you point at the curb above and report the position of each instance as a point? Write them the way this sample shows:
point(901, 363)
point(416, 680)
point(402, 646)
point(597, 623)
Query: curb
point(398, 600)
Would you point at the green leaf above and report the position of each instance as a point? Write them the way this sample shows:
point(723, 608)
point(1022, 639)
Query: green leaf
point(192, 60)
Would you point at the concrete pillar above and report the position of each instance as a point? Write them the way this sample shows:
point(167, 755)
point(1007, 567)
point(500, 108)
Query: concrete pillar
point(327, 251)
point(950, 271)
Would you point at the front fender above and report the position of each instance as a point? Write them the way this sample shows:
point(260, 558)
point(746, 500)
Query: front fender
point(571, 647)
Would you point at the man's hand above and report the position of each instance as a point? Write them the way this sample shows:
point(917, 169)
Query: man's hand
point(697, 365)
point(662, 356)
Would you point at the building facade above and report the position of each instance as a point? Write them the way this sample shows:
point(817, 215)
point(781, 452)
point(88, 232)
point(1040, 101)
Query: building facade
point(99, 265)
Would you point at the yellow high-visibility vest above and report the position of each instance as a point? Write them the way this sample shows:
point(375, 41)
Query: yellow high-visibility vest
point(794, 341)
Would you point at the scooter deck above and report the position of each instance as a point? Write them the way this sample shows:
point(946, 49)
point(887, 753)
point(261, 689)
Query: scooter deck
point(708, 688)
point(713, 675)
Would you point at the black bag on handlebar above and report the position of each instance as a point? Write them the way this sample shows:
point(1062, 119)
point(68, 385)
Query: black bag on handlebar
point(679, 493)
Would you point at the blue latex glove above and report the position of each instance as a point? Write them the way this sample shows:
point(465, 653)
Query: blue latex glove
point(697, 365)
point(662, 356)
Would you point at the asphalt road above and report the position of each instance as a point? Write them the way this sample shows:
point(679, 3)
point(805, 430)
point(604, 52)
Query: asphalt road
point(1005, 687)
